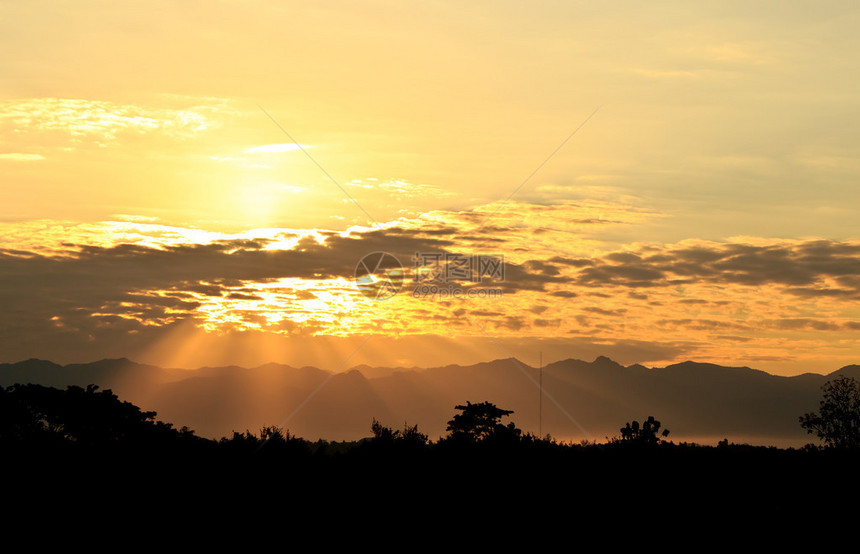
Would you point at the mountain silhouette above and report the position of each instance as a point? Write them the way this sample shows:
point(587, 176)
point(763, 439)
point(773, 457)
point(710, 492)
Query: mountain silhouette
point(700, 402)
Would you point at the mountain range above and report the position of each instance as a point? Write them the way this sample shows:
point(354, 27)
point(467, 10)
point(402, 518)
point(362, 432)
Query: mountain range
point(697, 402)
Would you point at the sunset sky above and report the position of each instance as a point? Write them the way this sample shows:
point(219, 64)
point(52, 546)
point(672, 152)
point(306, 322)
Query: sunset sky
point(194, 183)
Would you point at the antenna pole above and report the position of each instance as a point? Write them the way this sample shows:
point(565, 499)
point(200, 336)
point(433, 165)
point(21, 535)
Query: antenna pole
point(540, 401)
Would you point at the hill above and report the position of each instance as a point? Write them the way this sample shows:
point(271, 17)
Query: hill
point(698, 402)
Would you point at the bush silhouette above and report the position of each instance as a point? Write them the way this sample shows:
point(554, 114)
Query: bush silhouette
point(648, 433)
point(386, 435)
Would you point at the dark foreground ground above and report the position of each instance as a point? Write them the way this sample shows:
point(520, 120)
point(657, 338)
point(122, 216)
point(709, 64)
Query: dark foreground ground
point(85, 457)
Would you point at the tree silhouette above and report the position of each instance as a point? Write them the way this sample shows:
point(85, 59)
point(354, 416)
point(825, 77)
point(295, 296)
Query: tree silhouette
point(84, 417)
point(479, 422)
point(838, 421)
point(648, 432)
point(386, 435)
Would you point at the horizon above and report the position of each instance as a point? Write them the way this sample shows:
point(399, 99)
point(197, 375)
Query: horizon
point(415, 367)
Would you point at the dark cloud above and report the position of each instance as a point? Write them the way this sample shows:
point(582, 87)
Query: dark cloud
point(119, 282)
point(514, 323)
point(103, 294)
point(702, 324)
point(243, 296)
point(480, 313)
point(623, 257)
point(207, 289)
point(431, 232)
point(174, 301)
point(805, 323)
point(89, 280)
point(575, 262)
point(563, 294)
point(635, 274)
point(13, 253)
point(480, 238)
point(801, 268)
point(601, 311)
point(546, 322)
point(534, 277)
point(305, 295)
point(812, 292)
point(541, 267)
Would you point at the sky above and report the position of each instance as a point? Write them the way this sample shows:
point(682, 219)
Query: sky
point(197, 183)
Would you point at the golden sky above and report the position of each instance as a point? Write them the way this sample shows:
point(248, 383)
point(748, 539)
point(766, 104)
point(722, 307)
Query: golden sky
point(194, 183)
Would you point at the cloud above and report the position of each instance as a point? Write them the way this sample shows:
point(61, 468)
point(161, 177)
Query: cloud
point(399, 188)
point(803, 268)
point(21, 157)
point(101, 121)
point(88, 285)
point(807, 323)
point(126, 282)
point(563, 294)
point(601, 311)
point(286, 147)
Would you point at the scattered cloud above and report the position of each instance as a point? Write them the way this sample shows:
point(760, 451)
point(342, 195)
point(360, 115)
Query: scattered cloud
point(398, 188)
point(21, 157)
point(286, 147)
point(100, 121)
